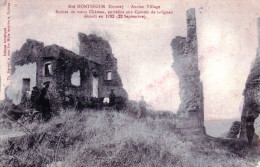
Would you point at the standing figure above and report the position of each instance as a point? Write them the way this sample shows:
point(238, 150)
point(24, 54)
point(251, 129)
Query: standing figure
point(142, 108)
point(112, 98)
point(252, 114)
point(44, 101)
point(34, 96)
point(25, 100)
point(79, 104)
point(250, 129)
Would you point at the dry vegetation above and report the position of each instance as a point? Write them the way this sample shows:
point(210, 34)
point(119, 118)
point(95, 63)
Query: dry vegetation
point(109, 138)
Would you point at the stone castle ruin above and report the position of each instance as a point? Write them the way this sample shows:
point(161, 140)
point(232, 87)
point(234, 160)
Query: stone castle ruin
point(190, 115)
point(91, 74)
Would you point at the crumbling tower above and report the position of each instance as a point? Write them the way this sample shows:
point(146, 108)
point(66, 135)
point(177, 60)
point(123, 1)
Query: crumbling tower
point(190, 115)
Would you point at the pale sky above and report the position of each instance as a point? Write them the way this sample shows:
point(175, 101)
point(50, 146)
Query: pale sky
point(227, 40)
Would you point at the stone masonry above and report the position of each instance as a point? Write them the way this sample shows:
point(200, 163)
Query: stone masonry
point(91, 74)
point(190, 114)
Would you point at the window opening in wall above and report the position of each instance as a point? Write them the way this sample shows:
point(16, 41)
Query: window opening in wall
point(26, 84)
point(76, 78)
point(95, 87)
point(47, 69)
point(109, 75)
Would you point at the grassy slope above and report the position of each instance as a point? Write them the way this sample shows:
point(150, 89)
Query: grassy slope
point(107, 138)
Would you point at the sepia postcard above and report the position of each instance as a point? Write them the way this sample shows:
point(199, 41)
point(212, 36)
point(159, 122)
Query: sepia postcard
point(140, 83)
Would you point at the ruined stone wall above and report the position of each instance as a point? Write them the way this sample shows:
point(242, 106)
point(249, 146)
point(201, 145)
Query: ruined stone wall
point(15, 88)
point(50, 55)
point(29, 53)
point(251, 107)
point(29, 62)
point(94, 48)
point(96, 60)
point(23, 65)
point(115, 83)
point(65, 64)
point(185, 53)
point(99, 51)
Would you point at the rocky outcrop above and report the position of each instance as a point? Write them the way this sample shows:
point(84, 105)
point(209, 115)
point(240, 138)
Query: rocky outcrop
point(251, 107)
point(185, 53)
point(234, 130)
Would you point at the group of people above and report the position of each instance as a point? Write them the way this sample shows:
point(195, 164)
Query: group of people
point(41, 100)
